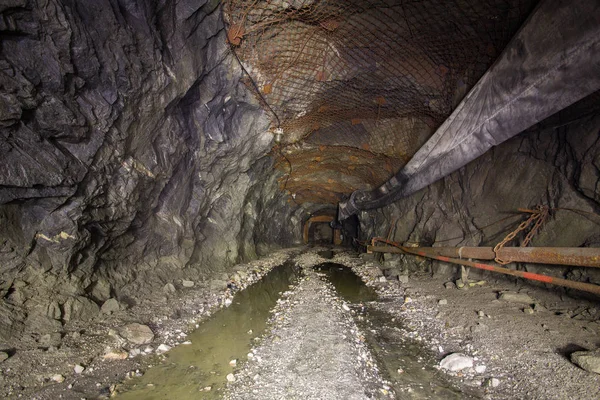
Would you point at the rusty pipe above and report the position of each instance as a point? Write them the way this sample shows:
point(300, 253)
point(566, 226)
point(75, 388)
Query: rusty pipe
point(586, 287)
point(575, 256)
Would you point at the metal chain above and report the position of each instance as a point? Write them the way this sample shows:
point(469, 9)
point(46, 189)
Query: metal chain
point(539, 215)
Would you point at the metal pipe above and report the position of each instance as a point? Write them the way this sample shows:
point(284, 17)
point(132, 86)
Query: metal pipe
point(586, 287)
point(575, 256)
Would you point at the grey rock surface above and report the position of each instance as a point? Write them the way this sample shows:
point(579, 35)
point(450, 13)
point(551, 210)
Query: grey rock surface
point(130, 149)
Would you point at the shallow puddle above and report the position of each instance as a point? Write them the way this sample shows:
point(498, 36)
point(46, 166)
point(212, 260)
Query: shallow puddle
point(402, 360)
point(226, 335)
point(347, 284)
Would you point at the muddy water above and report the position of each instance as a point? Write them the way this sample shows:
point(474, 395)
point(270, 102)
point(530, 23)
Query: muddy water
point(402, 360)
point(226, 335)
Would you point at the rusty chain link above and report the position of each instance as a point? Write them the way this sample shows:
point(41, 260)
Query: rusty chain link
point(539, 215)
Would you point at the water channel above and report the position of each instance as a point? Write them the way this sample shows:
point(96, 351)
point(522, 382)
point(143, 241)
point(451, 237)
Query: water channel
point(229, 333)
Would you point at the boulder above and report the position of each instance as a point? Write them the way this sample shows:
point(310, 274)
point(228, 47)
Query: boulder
point(588, 360)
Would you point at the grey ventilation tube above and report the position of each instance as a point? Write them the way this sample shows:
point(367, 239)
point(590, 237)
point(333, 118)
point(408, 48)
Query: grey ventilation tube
point(552, 62)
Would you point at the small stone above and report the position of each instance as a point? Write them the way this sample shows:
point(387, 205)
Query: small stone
point(163, 348)
point(233, 363)
point(403, 278)
point(588, 360)
point(449, 285)
point(479, 328)
point(50, 340)
point(230, 378)
point(493, 382)
point(480, 314)
point(58, 378)
point(443, 302)
point(528, 310)
point(187, 284)
point(137, 333)
point(227, 302)
point(169, 288)
point(79, 369)
point(134, 353)
point(480, 369)
point(3, 356)
point(407, 299)
point(511, 297)
point(345, 307)
point(539, 308)
point(217, 284)
point(382, 279)
point(456, 362)
point(110, 306)
point(207, 389)
point(115, 355)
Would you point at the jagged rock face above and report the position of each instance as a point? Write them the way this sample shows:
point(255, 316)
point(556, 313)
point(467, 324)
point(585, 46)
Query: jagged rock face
point(130, 149)
point(559, 167)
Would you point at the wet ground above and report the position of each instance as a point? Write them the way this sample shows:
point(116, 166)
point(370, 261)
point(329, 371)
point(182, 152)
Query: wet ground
point(222, 345)
point(199, 369)
point(324, 334)
point(406, 363)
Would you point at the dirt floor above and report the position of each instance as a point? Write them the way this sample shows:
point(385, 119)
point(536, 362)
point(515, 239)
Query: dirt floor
point(317, 346)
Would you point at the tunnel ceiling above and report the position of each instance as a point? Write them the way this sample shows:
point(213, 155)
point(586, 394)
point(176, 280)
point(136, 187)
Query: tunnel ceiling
point(358, 86)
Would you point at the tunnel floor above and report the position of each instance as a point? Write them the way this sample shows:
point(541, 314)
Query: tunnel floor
point(323, 333)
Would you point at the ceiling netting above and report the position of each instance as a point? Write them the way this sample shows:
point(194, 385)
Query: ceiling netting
point(357, 86)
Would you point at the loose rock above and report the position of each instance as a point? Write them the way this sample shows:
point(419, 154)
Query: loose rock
point(456, 362)
point(169, 288)
point(588, 360)
point(110, 306)
point(187, 284)
point(50, 340)
point(511, 297)
point(163, 348)
point(115, 355)
point(3, 356)
point(137, 333)
point(79, 369)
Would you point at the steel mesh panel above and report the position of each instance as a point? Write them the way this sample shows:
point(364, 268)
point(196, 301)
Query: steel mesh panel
point(372, 74)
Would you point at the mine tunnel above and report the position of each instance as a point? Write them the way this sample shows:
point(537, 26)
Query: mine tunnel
point(316, 199)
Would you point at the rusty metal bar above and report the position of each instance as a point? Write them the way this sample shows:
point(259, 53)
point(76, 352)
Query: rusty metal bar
point(576, 256)
point(586, 287)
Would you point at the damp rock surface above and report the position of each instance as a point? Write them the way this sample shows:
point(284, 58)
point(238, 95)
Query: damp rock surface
point(130, 149)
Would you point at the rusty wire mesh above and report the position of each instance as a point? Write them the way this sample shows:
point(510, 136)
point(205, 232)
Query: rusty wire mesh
point(378, 75)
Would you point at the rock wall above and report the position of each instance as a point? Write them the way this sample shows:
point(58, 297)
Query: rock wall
point(131, 155)
point(476, 206)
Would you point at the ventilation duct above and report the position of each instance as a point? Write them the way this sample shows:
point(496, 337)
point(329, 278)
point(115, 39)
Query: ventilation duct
point(552, 62)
